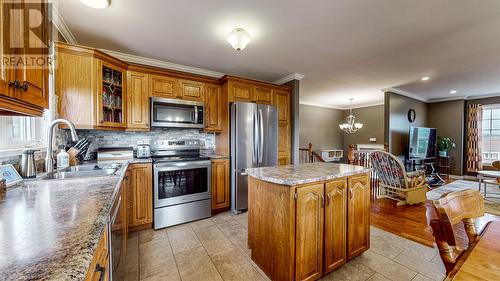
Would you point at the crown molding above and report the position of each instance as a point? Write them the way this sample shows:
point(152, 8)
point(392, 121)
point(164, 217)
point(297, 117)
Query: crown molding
point(163, 64)
point(446, 99)
point(60, 24)
point(405, 93)
point(482, 96)
point(289, 77)
point(342, 108)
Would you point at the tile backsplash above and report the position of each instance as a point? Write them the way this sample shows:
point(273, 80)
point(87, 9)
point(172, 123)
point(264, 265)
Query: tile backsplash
point(123, 139)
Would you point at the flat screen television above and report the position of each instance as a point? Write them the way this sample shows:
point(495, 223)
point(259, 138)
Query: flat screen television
point(422, 143)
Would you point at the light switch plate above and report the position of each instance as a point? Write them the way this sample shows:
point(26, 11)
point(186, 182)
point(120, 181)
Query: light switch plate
point(373, 139)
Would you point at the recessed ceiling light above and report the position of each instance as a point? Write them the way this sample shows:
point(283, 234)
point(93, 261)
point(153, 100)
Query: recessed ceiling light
point(425, 78)
point(453, 92)
point(239, 39)
point(96, 4)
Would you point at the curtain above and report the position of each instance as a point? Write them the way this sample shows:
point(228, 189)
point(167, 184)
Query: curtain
point(474, 122)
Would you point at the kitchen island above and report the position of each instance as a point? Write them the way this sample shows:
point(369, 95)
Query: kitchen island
point(307, 220)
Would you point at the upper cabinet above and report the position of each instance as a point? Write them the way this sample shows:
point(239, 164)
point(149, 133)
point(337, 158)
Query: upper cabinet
point(164, 87)
point(263, 94)
point(138, 101)
point(91, 88)
point(240, 91)
point(191, 90)
point(214, 102)
point(24, 87)
point(112, 99)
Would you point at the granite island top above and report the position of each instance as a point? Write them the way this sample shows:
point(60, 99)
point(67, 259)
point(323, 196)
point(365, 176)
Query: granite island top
point(49, 229)
point(305, 173)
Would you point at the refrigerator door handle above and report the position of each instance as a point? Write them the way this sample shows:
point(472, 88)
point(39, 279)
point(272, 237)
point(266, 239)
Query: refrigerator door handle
point(261, 137)
point(255, 148)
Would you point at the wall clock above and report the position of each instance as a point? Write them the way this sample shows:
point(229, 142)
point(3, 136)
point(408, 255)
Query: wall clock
point(411, 115)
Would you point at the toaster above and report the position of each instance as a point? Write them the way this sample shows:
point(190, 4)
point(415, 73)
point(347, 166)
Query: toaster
point(143, 151)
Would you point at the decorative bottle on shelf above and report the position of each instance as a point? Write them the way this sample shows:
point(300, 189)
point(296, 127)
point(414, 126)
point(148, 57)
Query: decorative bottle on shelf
point(62, 159)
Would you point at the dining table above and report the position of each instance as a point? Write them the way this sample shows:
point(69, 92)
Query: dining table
point(482, 261)
point(487, 177)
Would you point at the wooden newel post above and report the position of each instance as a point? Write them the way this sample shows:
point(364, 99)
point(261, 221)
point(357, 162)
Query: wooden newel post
point(309, 152)
point(386, 147)
point(350, 154)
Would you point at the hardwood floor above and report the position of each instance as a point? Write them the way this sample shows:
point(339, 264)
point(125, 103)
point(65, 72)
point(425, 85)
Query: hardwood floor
point(412, 221)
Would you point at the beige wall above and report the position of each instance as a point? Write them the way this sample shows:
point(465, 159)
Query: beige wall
point(372, 118)
point(320, 126)
point(397, 126)
point(448, 118)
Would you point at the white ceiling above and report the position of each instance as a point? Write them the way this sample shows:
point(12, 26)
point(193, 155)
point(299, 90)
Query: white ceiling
point(345, 48)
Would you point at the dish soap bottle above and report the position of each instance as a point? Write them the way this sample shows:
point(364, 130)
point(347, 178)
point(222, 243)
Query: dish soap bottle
point(62, 159)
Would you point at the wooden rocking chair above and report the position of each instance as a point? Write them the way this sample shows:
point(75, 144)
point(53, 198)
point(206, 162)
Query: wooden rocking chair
point(395, 182)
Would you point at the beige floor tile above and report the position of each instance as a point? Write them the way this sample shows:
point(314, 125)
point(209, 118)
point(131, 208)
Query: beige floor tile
point(385, 245)
point(195, 264)
point(385, 266)
point(156, 259)
point(201, 223)
point(420, 264)
point(149, 235)
point(231, 228)
point(213, 240)
point(378, 277)
point(233, 265)
point(351, 271)
point(182, 238)
point(241, 241)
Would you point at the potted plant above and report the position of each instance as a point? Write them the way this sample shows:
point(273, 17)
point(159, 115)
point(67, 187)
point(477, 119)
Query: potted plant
point(444, 146)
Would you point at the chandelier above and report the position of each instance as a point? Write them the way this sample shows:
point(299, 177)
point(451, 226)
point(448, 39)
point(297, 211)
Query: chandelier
point(351, 126)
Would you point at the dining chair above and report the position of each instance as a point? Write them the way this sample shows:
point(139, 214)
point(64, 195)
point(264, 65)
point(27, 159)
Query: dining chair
point(454, 208)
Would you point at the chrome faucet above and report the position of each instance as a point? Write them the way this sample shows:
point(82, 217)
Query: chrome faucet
point(49, 160)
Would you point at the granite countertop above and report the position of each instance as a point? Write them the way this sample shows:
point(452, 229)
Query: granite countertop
point(305, 173)
point(49, 229)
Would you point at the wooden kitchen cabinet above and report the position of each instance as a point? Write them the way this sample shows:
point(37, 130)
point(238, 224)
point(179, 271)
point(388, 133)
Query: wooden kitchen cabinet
point(140, 195)
point(213, 108)
point(358, 215)
point(309, 232)
point(263, 95)
point(281, 99)
point(220, 184)
point(335, 224)
point(315, 227)
point(100, 262)
point(191, 90)
point(112, 96)
point(24, 88)
point(138, 93)
point(240, 91)
point(164, 87)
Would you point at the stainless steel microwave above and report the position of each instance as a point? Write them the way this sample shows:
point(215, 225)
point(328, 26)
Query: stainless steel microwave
point(175, 113)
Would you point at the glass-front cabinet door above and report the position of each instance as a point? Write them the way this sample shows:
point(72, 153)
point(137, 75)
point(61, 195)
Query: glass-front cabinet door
point(111, 101)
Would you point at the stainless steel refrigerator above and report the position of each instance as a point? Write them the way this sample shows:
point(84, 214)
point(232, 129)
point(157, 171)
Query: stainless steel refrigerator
point(254, 143)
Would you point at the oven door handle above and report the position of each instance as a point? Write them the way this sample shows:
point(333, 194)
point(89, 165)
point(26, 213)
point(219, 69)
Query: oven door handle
point(181, 165)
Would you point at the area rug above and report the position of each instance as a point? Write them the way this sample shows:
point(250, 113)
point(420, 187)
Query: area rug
point(491, 204)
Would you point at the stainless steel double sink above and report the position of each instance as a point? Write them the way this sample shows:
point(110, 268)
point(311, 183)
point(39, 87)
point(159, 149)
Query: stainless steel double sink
point(83, 171)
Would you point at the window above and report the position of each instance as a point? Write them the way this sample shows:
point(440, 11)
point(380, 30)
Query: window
point(18, 132)
point(490, 144)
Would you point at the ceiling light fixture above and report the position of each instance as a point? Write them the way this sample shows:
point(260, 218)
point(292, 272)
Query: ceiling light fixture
point(453, 92)
point(96, 4)
point(425, 78)
point(239, 39)
point(350, 127)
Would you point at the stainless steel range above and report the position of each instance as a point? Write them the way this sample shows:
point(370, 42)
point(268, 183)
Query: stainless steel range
point(181, 182)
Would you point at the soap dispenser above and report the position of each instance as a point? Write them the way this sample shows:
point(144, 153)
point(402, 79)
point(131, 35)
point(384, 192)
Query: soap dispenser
point(62, 159)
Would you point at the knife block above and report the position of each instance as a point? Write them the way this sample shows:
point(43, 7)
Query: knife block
point(73, 160)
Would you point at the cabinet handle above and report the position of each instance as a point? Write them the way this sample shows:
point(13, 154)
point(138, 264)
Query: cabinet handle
point(350, 194)
point(328, 199)
point(14, 83)
point(322, 200)
point(102, 121)
point(101, 270)
point(24, 86)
